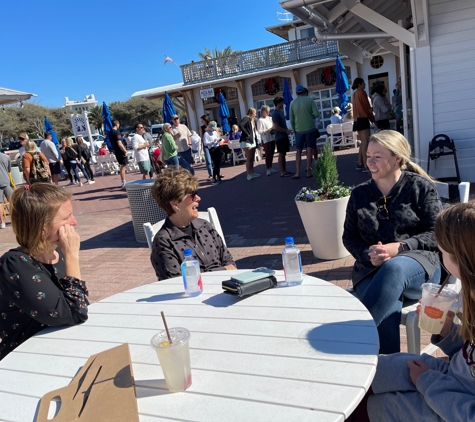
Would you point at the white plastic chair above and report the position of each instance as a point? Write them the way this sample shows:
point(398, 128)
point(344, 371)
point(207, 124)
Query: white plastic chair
point(336, 135)
point(197, 155)
point(238, 153)
point(210, 215)
point(408, 316)
point(350, 138)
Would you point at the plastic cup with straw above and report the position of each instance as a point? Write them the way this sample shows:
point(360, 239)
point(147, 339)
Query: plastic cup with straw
point(172, 348)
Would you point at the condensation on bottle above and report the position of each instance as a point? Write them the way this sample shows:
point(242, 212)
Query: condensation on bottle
point(292, 263)
point(190, 270)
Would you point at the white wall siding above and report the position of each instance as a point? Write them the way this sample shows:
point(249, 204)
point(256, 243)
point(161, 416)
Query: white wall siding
point(452, 35)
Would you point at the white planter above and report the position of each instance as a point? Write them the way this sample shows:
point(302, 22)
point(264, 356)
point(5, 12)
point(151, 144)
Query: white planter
point(323, 222)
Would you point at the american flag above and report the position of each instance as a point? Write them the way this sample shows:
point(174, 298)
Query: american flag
point(168, 59)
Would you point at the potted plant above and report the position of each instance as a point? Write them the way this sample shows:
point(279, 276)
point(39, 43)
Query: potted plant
point(323, 210)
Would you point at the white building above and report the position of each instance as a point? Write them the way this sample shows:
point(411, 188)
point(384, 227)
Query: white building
point(427, 43)
point(78, 107)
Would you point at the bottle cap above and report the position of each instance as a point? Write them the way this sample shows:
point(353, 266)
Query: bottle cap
point(188, 252)
point(289, 240)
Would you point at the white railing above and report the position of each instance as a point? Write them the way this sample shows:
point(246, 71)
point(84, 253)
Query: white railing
point(256, 60)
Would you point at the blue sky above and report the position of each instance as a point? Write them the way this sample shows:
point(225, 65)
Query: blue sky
point(61, 48)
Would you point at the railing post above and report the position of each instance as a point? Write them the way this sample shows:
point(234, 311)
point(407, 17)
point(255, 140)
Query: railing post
point(267, 57)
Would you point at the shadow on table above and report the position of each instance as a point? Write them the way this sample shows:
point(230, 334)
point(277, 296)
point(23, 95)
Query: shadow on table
point(356, 337)
point(150, 388)
point(164, 297)
point(223, 300)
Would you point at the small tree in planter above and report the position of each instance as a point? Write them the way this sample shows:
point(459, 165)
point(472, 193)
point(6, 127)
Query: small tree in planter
point(323, 210)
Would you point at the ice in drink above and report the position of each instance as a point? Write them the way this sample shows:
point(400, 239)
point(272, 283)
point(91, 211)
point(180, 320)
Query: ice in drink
point(174, 357)
point(434, 307)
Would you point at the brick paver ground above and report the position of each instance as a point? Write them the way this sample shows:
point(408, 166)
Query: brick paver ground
point(256, 216)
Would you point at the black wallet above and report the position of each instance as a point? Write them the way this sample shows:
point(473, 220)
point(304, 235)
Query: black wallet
point(239, 289)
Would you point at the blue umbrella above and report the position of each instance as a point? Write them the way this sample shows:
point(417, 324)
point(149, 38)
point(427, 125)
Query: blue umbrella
point(287, 98)
point(168, 109)
point(49, 128)
point(107, 124)
point(341, 84)
point(223, 113)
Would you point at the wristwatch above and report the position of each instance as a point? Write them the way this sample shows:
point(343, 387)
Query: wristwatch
point(403, 247)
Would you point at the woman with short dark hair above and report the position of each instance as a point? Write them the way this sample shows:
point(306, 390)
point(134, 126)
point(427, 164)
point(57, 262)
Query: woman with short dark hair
point(176, 193)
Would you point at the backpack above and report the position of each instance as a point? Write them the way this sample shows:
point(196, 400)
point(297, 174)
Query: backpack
point(39, 171)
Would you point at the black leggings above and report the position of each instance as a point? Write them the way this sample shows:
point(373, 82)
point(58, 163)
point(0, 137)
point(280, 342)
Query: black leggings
point(87, 167)
point(216, 154)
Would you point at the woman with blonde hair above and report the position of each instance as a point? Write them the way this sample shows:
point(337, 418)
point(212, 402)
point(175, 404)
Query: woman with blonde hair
point(249, 141)
point(265, 128)
point(32, 158)
point(40, 281)
point(74, 158)
point(389, 230)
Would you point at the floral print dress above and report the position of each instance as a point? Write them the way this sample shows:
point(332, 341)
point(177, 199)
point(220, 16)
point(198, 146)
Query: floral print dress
point(34, 295)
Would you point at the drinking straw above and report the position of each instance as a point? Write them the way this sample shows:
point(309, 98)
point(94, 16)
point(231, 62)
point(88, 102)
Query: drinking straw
point(166, 327)
point(443, 284)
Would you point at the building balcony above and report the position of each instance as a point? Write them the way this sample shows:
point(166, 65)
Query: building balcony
point(271, 57)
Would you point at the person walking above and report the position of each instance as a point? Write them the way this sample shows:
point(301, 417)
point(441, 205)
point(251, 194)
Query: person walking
point(182, 136)
point(140, 147)
point(265, 128)
point(120, 150)
point(49, 150)
point(281, 135)
point(249, 141)
point(5, 184)
point(363, 115)
point(303, 116)
point(85, 158)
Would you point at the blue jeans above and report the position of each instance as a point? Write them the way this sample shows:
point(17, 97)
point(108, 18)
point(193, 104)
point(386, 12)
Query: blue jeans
point(381, 293)
point(187, 156)
point(178, 161)
point(209, 165)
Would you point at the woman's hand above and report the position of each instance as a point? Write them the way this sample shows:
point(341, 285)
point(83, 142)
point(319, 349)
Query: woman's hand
point(69, 242)
point(449, 321)
point(230, 267)
point(378, 254)
point(416, 368)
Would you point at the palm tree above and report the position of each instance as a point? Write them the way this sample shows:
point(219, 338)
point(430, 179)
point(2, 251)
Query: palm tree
point(95, 117)
point(216, 53)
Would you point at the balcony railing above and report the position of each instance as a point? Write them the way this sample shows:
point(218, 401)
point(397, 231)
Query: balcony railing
point(271, 57)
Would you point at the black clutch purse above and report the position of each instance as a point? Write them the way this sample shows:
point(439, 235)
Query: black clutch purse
point(245, 289)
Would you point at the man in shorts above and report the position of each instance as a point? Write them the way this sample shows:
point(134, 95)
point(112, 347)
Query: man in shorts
point(5, 184)
point(120, 150)
point(303, 115)
point(48, 148)
point(282, 135)
point(140, 146)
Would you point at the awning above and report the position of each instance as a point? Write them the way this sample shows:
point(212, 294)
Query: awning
point(9, 96)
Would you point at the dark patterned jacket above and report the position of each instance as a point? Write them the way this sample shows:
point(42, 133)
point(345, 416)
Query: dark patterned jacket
point(34, 295)
point(413, 205)
point(206, 244)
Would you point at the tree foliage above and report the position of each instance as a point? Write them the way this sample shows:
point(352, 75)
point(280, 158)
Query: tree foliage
point(216, 52)
point(135, 110)
point(95, 117)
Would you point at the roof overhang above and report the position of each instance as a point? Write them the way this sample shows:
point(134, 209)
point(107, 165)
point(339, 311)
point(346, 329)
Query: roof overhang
point(10, 96)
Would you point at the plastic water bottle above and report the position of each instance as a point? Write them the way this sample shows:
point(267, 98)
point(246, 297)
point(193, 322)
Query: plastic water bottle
point(292, 263)
point(190, 270)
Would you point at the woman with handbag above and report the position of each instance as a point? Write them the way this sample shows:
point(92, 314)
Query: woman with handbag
point(74, 158)
point(85, 158)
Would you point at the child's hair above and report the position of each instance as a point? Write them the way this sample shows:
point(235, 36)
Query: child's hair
point(455, 231)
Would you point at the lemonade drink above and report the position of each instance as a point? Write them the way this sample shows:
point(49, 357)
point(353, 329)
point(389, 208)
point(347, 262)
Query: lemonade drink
point(434, 307)
point(174, 357)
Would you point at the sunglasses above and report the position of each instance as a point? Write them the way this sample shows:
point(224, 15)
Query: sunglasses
point(176, 118)
point(383, 212)
point(139, 127)
point(192, 195)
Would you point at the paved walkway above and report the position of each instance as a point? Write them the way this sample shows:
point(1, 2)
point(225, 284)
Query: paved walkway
point(256, 216)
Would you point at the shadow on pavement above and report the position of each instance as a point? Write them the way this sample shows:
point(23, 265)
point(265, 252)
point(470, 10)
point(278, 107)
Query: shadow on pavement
point(122, 236)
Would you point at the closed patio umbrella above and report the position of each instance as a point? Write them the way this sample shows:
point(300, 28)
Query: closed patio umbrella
point(341, 85)
point(49, 128)
point(168, 109)
point(287, 98)
point(223, 113)
point(107, 123)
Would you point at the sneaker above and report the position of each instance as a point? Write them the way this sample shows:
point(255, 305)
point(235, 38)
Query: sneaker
point(255, 175)
point(268, 173)
point(70, 184)
point(91, 182)
point(215, 181)
point(273, 171)
point(76, 182)
point(249, 177)
point(3, 226)
point(80, 184)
